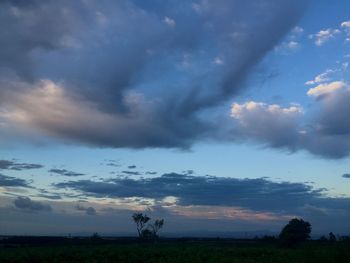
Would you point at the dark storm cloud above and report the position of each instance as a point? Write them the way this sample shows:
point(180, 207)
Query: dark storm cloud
point(30, 26)
point(25, 203)
point(13, 165)
point(122, 65)
point(346, 175)
point(12, 181)
point(65, 172)
point(256, 194)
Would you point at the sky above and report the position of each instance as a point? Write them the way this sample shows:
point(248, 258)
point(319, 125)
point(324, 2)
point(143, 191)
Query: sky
point(225, 118)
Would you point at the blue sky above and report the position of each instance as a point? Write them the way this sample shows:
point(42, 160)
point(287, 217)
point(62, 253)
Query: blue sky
point(135, 106)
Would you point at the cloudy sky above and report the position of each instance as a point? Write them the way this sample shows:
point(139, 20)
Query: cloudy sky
point(218, 116)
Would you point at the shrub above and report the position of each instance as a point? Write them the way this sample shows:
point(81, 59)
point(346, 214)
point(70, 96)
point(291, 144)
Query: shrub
point(295, 232)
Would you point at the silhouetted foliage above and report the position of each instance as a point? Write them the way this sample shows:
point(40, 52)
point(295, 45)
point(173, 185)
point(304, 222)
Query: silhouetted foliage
point(95, 237)
point(268, 239)
point(150, 231)
point(323, 239)
point(332, 237)
point(156, 226)
point(178, 251)
point(344, 239)
point(147, 234)
point(295, 232)
point(141, 221)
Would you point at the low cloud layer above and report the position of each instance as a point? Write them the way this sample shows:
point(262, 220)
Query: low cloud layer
point(88, 210)
point(255, 194)
point(131, 172)
point(26, 204)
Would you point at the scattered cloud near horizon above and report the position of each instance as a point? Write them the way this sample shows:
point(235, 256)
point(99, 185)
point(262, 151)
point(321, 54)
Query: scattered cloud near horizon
point(187, 190)
point(9, 181)
point(26, 204)
point(17, 166)
point(183, 197)
point(64, 172)
point(188, 212)
point(88, 210)
point(346, 175)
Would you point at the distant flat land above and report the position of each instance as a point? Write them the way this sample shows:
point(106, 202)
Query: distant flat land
point(175, 251)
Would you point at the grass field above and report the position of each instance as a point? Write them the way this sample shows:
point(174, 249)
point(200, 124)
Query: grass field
point(178, 252)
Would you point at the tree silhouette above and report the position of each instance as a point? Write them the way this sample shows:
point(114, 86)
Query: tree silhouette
point(150, 231)
point(296, 231)
point(147, 234)
point(156, 226)
point(141, 221)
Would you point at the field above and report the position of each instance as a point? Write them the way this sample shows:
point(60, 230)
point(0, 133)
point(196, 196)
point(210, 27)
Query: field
point(176, 252)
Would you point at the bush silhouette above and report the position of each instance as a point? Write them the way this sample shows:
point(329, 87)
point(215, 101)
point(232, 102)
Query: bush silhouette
point(295, 232)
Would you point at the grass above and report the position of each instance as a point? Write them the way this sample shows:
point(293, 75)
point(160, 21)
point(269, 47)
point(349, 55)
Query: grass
point(195, 252)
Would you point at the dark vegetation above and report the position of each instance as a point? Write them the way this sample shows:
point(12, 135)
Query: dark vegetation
point(292, 245)
point(147, 232)
point(295, 232)
point(181, 251)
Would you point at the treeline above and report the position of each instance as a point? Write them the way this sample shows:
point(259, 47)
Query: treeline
point(295, 232)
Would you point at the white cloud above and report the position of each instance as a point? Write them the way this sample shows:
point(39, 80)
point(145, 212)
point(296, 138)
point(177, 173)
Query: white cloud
point(270, 124)
point(324, 35)
point(298, 30)
point(238, 111)
point(345, 24)
point(326, 88)
point(169, 21)
point(292, 45)
point(197, 8)
point(218, 61)
point(324, 133)
point(47, 107)
point(323, 77)
point(288, 46)
point(344, 66)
